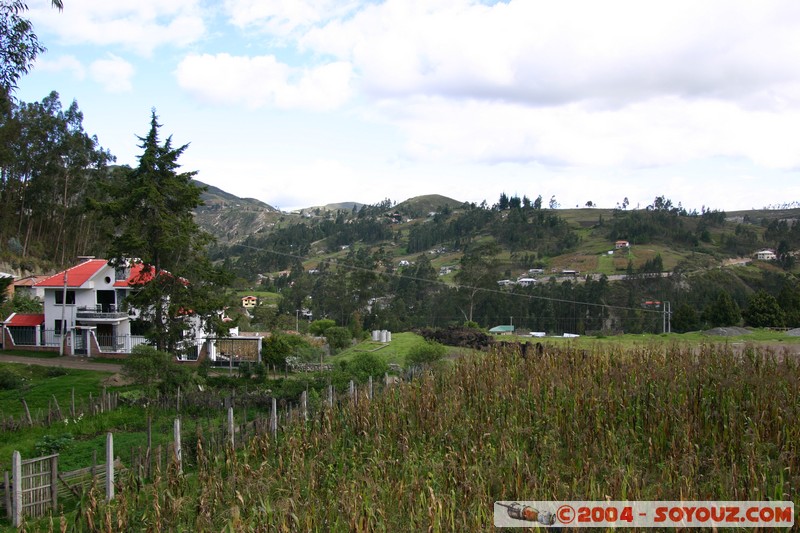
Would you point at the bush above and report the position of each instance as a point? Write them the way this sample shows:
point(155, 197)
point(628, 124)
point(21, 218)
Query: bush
point(426, 353)
point(364, 365)
point(319, 327)
point(275, 350)
point(50, 444)
point(465, 337)
point(147, 367)
point(55, 371)
point(338, 338)
point(9, 380)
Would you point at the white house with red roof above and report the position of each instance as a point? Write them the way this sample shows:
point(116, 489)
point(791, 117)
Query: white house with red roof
point(85, 303)
point(88, 297)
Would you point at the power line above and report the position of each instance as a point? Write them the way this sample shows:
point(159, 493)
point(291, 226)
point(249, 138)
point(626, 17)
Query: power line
point(450, 286)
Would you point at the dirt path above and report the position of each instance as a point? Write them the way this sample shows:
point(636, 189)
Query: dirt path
point(81, 363)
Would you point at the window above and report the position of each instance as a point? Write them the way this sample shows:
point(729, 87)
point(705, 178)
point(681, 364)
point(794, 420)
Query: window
point(59, 326)
point(60, 297)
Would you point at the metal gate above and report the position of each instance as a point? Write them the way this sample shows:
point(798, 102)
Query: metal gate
point(81, 341)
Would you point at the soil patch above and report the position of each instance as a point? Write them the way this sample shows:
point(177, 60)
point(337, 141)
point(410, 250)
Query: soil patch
point(732, 331)
point(117, 380)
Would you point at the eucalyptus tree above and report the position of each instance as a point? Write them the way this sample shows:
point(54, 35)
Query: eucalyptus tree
point(19, 45)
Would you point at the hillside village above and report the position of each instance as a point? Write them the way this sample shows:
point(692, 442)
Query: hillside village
point(434, 262)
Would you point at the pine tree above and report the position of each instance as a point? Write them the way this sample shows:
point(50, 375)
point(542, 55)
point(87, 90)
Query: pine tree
point(152, 215)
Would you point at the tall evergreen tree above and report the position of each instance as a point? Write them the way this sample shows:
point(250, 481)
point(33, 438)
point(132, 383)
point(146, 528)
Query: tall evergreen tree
point(153, 223)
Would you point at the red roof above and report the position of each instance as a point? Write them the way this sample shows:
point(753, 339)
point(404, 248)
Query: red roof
point(137, 276)
point(30, 281)
point(76, 276)
point(25, 320)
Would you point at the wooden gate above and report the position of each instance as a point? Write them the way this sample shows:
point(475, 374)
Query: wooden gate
point(34, 486)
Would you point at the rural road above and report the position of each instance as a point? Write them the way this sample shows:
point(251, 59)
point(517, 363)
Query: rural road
point(81, 363)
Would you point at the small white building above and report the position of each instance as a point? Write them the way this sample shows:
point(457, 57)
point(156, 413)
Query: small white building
point(766, 255)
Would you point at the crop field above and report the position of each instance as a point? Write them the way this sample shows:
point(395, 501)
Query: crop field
point(644, 423)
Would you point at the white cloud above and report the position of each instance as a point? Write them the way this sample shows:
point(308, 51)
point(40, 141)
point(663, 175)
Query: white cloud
point(141, 26)
point(113, 73)
point(578, 82)
point(264, 81)
point(650, 133)
point(61, 64)
point(285, 17)
point(550, 53)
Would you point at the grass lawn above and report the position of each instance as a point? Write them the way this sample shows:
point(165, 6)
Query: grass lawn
point(393, 352)
point(41, 383)
point(693, 338)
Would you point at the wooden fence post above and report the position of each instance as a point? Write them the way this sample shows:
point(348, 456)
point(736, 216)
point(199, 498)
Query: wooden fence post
point(109, 466)
point(7, 492)
point(16, 480)
point(304, 404)
point(178, 400)
point(370, 387)
point(352, 391)
point(177, 435)
point(27, 411)
point(230, 426)
point(54, 483)
point(273, 419)
point(330, 396)
point(149, 446)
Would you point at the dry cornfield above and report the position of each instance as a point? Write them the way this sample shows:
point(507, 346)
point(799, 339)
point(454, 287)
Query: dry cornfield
point(646, 423)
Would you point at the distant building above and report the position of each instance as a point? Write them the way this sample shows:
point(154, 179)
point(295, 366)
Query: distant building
point(249, 302)
point(621, 244)
point(525, 282)
point(766, 255)
point(27, 286)
point(502, 330)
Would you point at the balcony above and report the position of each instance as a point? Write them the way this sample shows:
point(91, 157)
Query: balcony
point(100, 312)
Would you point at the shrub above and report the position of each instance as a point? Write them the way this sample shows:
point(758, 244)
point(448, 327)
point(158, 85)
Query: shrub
point(426, 353)
point(364, 365)
point(319, 327)
point(9, 379)
point(55, 371)
point(147, 367)
point(458, 336)
point(338, 338)
point(50, 444)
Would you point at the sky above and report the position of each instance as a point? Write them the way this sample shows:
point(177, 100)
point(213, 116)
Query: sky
point(302, 103)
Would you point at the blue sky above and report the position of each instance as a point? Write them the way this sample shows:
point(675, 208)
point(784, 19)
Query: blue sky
point(307, 102)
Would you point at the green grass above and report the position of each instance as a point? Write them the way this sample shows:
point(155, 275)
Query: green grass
point(393, 352)
point(41, 383)
point(696, 338)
